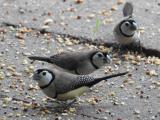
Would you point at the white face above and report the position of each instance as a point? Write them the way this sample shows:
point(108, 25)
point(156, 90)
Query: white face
point(42, 76)
point(99, 59)
point(129, 27)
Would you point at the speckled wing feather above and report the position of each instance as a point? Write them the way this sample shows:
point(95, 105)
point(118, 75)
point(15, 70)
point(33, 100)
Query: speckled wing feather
point(71, 84)
point(76, 81)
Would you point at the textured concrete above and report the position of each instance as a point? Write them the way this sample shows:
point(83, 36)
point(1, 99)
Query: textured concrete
point(126, 98)
point(133, 97)
point(80, 19)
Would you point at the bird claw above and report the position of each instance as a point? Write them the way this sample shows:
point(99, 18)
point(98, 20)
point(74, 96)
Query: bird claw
point(63, 105)
point(122, 50)
point(70, 103)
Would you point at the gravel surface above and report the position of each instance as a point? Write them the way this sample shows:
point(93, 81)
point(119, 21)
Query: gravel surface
point(132, 97)
point(92, 19)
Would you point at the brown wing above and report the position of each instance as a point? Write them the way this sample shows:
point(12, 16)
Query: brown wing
point(67, 60)
point(71, 60)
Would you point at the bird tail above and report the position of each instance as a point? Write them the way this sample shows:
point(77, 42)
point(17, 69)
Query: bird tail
point(45, 59)
point(111, 76)
point(97, 80)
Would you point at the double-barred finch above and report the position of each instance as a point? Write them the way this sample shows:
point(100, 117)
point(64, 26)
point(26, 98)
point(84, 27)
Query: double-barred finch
point(66, 86)
point(125, 31)
point(83, 62)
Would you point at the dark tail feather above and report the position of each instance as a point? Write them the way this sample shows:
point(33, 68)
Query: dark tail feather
point(45, 59)
point(97, 80)
point(111, 76)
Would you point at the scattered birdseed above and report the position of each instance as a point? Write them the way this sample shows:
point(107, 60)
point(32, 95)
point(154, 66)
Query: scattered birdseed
point(19, 36)
point(114, 8)
point(48, 21)
point(120, 2)
point(107, 20)
point(137, 112)
point(151, 73)
point(79, 1)
point(1, 75)
point(45, 27)
point(72, 110)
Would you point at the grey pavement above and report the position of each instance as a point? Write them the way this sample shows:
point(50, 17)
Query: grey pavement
point(133, 97)
point(79, 20)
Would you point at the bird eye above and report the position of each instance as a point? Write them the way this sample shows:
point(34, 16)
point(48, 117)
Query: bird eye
point(127, 24)
point(100, 55)
point(44, 73)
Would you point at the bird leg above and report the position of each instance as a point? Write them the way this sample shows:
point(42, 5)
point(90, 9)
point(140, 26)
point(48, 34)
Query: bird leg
point(70, 103)
point(67, 105)
point(140, 47)
point(121, 51)
point(64, 105)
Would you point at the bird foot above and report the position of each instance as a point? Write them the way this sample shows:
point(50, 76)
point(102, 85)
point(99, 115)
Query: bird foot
point(63, 105)
point(70, 103)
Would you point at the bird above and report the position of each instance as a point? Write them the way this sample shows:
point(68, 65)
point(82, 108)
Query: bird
point(65, 86)
point(125, 32)
point(78, 62)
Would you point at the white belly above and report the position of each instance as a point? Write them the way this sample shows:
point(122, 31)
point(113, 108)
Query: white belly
point(124, 40)
point(72, 94)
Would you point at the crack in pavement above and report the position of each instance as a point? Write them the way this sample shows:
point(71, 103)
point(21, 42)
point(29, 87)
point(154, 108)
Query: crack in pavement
point(140, 49)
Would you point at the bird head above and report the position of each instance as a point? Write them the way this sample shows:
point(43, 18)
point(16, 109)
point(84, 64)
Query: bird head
point(128, 27)
point(100, 58)
point(43, 76)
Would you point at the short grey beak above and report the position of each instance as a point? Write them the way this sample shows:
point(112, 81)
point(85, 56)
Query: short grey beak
point(134, 26)
point(36, 76)
point(108, 59)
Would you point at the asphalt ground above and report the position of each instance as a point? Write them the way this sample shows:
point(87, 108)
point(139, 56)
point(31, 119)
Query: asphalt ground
point(135, 96)
point(89, 19)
